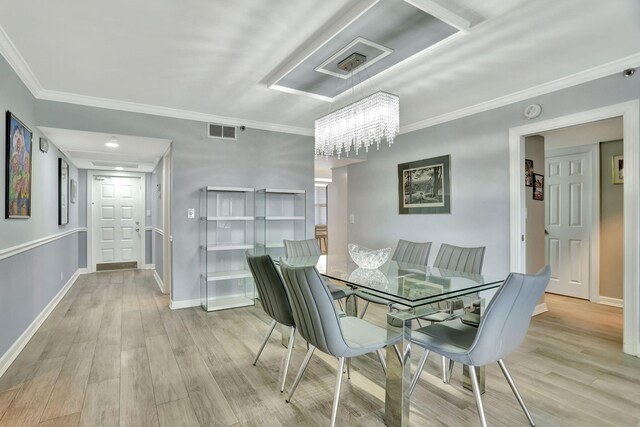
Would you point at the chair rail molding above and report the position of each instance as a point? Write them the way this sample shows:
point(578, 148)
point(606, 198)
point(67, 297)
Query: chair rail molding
point(630, 113)
point(27, 246)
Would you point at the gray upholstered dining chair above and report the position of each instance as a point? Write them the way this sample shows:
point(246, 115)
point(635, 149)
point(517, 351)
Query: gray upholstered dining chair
point(275, 303)
point(406, 252)
point(320, 324)
point(501, 331)
point(309, 247)
point(455, 258)
point(468, 260)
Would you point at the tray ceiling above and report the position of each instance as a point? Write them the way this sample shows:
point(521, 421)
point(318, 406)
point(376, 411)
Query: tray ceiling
point(214, 60)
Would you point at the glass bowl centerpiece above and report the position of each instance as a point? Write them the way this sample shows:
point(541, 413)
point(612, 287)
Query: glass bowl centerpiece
point(368, 258)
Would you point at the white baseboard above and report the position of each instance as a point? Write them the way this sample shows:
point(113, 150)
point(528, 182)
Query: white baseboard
point(7, 359)
point(83, 271)
point(540, 308)
point(176, 305)
point(149, 267)
point(158, 280)
point(614, 302)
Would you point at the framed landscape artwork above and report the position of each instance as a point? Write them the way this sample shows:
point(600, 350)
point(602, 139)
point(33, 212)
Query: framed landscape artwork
point(424, 186)
point(538, 186)
point(617, 170)
point(63, 192)
point(528, 173)
point(18, 168)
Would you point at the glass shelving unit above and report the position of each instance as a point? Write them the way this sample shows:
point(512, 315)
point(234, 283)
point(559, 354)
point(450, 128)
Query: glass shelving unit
point(227, 232)
point(280, 215)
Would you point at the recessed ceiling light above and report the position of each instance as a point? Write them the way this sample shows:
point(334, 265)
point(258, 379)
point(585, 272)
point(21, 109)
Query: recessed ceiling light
point(112, 143)
point(119, 168)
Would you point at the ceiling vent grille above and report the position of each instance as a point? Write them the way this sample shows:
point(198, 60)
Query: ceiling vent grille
point(215, 130)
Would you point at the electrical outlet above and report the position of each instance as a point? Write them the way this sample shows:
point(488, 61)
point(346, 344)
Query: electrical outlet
point(61, 276)
point(352, 219)
point(191, 213)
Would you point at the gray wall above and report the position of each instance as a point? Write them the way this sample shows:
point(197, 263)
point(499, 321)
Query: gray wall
point(534, 150)
point(337, 211)
point(258, 159)
point(611, 224)
point(29, 280)
point(479, 150)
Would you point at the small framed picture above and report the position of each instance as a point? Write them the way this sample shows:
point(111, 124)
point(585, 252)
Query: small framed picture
point(73, 190)
point(538, 186)
point(617, 171)
point(528, 173)
point(44, 145)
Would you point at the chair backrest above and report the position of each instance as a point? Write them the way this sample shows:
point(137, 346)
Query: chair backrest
point(314, 313)
point(467, 260)
point(300, 248)
point(412, 252)
point(507, 317)
point(273, 295)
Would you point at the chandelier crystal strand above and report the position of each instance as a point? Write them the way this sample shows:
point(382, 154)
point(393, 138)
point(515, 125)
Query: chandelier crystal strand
point(358, 125)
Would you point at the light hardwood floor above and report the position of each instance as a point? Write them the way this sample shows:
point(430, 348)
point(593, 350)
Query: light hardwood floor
point(112, 353)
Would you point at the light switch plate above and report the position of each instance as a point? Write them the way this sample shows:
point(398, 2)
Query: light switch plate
point(352, 219)
point(191, 213)
point(148, 212)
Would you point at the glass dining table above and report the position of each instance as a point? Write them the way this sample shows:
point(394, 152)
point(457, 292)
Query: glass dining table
point(414, 291)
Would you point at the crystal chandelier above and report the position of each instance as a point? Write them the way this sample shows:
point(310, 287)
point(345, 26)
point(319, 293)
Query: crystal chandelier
point(361, 123)
point(358, 125)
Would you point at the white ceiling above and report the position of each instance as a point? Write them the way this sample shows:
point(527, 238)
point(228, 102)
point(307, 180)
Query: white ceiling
point(87, 150)
point(214, 57)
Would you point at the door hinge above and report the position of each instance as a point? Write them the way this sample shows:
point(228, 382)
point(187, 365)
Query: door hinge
point(522, 237)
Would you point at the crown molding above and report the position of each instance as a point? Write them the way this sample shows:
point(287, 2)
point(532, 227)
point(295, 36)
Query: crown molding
point(543, 89)
point(133, 107)
point(9, 51)
point(18, 63)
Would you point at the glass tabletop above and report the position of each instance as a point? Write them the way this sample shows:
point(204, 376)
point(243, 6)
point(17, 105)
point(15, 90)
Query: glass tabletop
point(411, 285)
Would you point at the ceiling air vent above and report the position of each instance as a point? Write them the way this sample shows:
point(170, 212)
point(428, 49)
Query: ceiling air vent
point(221, 131)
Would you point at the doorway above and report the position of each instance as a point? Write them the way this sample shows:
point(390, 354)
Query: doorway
point(630, 113)
point(116, 214)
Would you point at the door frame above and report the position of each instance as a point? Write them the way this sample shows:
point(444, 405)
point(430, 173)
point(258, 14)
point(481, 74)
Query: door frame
point(167, 239)
point(594, 235)
point(91, 268)
point(630, 113)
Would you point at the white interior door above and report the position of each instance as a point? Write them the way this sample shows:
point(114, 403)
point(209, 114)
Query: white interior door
point(568, 194)
point(117, 208)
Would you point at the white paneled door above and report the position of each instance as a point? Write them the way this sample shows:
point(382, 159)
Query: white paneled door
point(117, 214)
point(568, 198)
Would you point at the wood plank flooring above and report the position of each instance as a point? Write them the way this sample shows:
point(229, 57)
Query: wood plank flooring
point(113, 354)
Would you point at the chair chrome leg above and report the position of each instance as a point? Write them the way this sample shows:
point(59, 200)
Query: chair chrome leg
point(451, 363)
point(340, 305)
point(364, 309)
point(515, 390)
point(444, 370)
point(303, 367)
point(349, 368)
point(286, 363)
point(264, 342)
point(398, 355)
point(336, 396)
point(383, 362)
point(423, 361)
point(476, 394)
